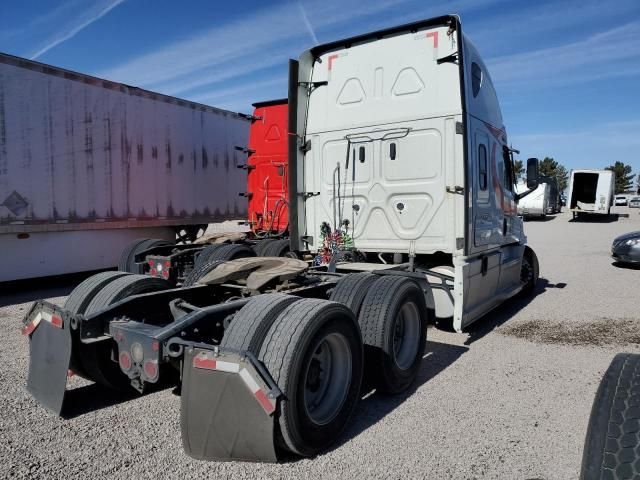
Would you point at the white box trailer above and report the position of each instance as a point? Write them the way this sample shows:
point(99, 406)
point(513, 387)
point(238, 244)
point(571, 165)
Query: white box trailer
point(88, 165)
point(591, 191)
point(536, 204)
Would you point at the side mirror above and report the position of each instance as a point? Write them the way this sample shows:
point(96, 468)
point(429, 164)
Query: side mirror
point(532, 173)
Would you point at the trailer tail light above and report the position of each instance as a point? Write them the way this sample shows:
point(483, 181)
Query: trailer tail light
point(155, 345)
point(165, 274)
point(125, 361)
point(151, 369)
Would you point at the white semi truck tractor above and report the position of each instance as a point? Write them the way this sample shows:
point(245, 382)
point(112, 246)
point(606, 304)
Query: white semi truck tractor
point(402, 212)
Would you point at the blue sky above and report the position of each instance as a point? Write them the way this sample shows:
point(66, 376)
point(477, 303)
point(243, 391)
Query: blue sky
point(567, 72)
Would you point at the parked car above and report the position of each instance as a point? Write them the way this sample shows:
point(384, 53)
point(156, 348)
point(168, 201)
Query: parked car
point(634, 202)
point(621, 200)
point(626, 248)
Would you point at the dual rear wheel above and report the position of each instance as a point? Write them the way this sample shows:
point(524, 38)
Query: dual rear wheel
point(319, 351)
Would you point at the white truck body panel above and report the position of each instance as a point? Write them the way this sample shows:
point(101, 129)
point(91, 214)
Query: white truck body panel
point(408, 154)
point(81, 154)
point(591, 191)
point(534, 204)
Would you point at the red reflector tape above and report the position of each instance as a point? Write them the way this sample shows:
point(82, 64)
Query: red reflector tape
point(203, 362)
point(56, 321)
point(29, 327)
point(264, 401)
point(267, 404)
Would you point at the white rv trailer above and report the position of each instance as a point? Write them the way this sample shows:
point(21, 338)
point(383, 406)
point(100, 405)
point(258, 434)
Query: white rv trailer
point(88, 165)
point(536, 204)
point(591, 192)
point(403, 148)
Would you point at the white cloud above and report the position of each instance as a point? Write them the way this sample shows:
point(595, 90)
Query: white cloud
point(612, 53)
point(79, 21)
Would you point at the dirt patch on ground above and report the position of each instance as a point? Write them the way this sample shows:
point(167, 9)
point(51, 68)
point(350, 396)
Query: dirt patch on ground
point(607, 331)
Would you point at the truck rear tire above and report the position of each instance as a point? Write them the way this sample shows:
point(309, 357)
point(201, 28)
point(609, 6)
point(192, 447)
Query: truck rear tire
point(95, 358)
point(202, 256)
point(231, 252)
point(79, 299)
point(393, 319)
point(250, 325)
point(612, 444)
point(313, 351)
point(200, 271)
point(261, 245)
point(279, 248)
point(77, 302)
point(127, 257)
point(351, 290)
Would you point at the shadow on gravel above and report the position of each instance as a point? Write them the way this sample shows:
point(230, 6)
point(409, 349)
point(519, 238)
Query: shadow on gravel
point(597, 218)
point(92, 397)
point(506, 311)
point(22, 291)
point(375, 406)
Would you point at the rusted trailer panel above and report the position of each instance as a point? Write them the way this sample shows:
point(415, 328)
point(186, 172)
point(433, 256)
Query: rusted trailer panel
point(76, 149)
point(88, 161)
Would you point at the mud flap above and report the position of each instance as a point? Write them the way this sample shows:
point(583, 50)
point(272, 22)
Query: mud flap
point(50, 355)
point(227, 407)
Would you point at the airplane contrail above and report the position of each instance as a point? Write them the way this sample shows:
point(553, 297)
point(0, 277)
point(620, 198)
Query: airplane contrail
point(85, 19)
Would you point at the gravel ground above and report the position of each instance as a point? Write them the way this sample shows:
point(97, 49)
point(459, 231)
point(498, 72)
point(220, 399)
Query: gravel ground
point(509, 399)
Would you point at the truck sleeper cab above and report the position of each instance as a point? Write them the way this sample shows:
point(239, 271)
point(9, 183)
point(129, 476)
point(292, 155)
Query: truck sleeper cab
point(400, 149)
point(273, 351)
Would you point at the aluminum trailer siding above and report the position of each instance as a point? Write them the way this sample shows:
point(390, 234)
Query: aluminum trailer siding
point(85, 161)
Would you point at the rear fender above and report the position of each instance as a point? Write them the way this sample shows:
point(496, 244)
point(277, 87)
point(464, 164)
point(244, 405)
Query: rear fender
point(227, 406)
point(49, 330)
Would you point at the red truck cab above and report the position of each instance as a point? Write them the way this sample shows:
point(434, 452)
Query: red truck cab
point(267, 174)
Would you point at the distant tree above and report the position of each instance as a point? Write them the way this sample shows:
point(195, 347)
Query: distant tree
point(518, 169)
point(623, 175)
point(550, 168)
point(638, 184)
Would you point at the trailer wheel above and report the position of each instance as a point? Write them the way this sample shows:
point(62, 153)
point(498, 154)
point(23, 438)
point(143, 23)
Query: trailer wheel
point(231, 252)
point(95, 358)
point(279, 248)
point(200, 271)
point(127, 258)
point(313, 351)
point(612, 444)
point(529, 272)
point(250, 325)
point(393, 319)
point(351, 290)
point(261, 245)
